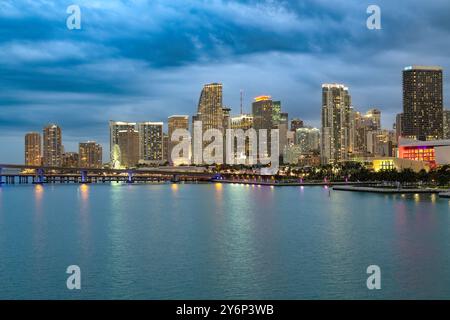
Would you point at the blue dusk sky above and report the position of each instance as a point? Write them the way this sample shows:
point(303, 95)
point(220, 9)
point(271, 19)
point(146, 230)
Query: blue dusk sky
point(141, 60)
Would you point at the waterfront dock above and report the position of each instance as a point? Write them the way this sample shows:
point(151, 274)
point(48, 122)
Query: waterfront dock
point(287, 184)
point(445, 194)
point(386, 190)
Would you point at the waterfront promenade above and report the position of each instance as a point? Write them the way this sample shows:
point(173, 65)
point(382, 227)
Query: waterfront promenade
point(387, 190)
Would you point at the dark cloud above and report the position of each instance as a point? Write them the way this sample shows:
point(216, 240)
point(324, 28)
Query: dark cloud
point(144, 60)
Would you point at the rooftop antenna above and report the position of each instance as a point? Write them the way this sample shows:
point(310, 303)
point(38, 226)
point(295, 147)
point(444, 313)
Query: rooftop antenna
point(242, 110)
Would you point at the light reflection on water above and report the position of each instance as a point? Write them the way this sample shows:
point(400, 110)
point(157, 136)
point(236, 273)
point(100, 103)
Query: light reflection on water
point(221, 241)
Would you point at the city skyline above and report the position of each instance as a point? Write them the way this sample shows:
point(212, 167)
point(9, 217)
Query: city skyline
point(75, 78)
point(214, 114)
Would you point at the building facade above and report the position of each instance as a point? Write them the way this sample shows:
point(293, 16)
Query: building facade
point(52, 146)
point(210, 107)
point(128, 144)
point(114, 128)
point(336, 124)
point(176, 122)
point(446, 126)
point(308, 139)
point(151, 150)
point(33, 155)
point(422, 103)
point(296, 124)
point(91, 154)
point(70, 160)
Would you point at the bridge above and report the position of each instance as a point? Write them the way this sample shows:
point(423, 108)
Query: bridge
point(43, 174)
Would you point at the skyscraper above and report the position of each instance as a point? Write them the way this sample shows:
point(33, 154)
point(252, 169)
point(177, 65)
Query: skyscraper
point(151, 142)
point(283, 127)
point(362, 125)
point(90, 154)
point(308, 139)
point(243, 121)
point(176, 122)
point(398, 126)
point(210, 108)
point(114, 128)
point(336, 123)
point(374, 116)
point(263, 115)
point(446, 120)
point(296, 124)
point(128, 142)
point(53, 149)
point(165, 148)
point(33, 155)
point(70, 160)
point(422, 103)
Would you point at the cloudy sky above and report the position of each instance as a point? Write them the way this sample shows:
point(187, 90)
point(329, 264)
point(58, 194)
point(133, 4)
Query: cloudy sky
point(145, 60)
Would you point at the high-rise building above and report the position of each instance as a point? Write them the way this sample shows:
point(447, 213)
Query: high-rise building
point(176, 122)
point(283, 127)
point(361, 126)
point(151, 142)
point(53, 148)
point(446, 120)
point(296, 124)
point(243, 121)
point(263, 118)
point(398, 126)
point(33, 155)
point(210, 107)
point(263, 114)
point(70, 160)
point(308, 139)
point(380, 143)
point(276, 112)
point(422, 103)
point(210, 112)
point(373, 116)
point(165, 148)
point(226, 119)
point(90, 154)
point(128, 142)
point(114, 128)
point(336, 123)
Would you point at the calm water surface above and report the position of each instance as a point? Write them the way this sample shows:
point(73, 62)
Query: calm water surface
point(220, 241)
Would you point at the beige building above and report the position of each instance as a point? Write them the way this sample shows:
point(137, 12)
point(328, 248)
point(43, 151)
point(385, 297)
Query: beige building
point(114, 128)
point(128, 142)
point(52, 146)
point(33, 155)
point(70, 160)
point(176, 122)
point(91, 154)
point(336, 124)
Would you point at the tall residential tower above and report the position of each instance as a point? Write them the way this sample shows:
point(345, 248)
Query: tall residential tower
point(336, 123)
point(422, 103)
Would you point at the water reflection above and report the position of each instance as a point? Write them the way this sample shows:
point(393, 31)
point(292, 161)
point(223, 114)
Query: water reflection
point(38, 193)
point(84, 190)
point(219, 191)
